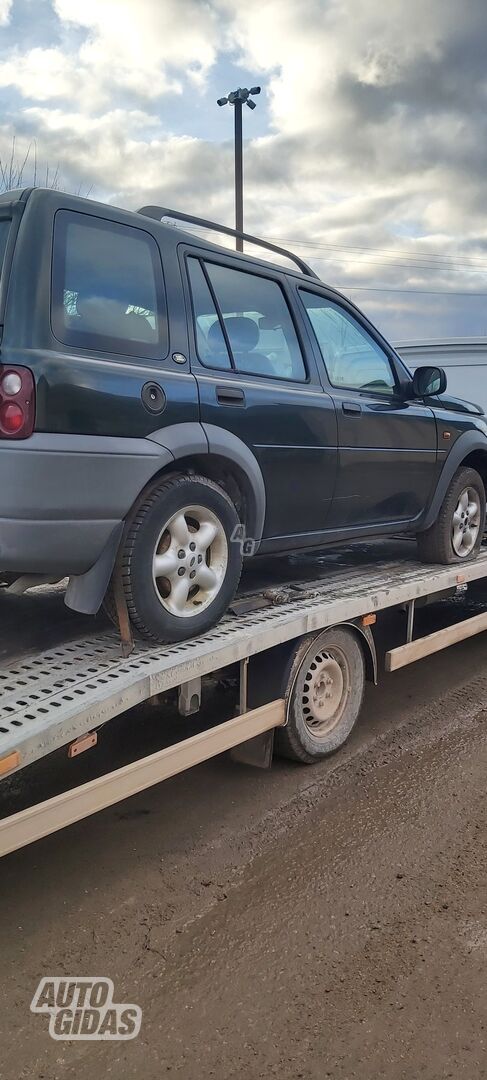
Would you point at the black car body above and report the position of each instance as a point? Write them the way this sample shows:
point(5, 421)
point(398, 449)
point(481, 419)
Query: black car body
point(147, 352)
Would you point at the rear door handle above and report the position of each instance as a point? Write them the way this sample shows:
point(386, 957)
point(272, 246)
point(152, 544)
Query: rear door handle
point(351, 408)
point(230, 395)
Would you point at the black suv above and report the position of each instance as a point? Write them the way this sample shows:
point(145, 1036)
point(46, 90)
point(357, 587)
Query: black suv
point(168, 406)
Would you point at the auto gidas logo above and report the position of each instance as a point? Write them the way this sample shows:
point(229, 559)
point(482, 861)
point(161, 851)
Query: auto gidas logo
point(83, 1008)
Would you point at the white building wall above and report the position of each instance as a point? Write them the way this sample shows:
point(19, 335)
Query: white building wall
point(464, 360)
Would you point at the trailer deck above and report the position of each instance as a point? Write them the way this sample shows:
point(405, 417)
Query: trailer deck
point(61, 696)
point(51, 699)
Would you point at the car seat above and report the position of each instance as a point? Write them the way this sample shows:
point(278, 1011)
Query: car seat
point(243, 334)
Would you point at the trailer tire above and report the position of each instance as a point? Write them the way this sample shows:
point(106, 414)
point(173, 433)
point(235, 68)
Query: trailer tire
point(323, 688)
point(444, 541)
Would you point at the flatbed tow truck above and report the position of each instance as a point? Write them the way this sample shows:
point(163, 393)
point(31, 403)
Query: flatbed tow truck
point(60, 699)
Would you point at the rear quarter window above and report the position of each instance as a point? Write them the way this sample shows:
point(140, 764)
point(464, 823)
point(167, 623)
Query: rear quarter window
point(107, 287)
point(4, 231)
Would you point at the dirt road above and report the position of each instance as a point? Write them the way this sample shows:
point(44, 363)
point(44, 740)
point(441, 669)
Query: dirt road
point(307, 922)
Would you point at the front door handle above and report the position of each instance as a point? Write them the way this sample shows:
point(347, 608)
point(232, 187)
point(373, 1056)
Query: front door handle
point(230, 395)
point(352, 408)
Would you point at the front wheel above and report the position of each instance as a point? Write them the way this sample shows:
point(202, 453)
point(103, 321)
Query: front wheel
point(457, 533)
point(179, 566)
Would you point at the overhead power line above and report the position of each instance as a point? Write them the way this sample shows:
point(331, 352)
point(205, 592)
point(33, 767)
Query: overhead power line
point(384, 288)
point(375, 251)
point(468, 259)
point(402, 265)
point(345, 287)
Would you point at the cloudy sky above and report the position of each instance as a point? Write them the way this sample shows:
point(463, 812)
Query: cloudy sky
point(367, 151)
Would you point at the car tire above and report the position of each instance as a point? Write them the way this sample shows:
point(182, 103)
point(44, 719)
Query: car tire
point(324, 689)
point(183, 525)
point(457, 533)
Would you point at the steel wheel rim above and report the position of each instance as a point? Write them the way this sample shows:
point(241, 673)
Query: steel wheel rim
point(190, 561)
point(466, 523)
point(325, 691)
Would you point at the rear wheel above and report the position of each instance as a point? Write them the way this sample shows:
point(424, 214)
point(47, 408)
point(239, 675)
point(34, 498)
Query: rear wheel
point(179, 566)
point(456, 535)
point(324, 691)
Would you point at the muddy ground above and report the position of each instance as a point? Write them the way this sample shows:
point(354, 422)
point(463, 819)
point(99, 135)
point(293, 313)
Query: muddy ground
point(328, 921)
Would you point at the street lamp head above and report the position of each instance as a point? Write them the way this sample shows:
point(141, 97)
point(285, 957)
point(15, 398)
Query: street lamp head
point(240, 95)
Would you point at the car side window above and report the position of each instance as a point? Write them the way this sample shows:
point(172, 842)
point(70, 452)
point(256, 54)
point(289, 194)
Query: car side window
point(107, 287)
point(250, 313)
point(353, 360)
point(210, 342)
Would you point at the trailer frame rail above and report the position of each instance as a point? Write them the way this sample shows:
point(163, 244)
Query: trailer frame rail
point(49, 816)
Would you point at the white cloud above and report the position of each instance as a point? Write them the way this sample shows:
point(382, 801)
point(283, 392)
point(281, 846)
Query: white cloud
point(148, 49)
point(378, 134)
point(5, 9)
point(39, 73)
point(140, 46)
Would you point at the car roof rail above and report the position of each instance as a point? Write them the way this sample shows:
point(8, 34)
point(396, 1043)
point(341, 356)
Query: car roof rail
point(159, 212)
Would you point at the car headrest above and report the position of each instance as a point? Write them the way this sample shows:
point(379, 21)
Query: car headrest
point(92, 306)
point(243, 333)
point(215, 338)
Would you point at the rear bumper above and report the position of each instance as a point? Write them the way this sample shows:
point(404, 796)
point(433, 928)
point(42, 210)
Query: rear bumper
point(59, 547)
point(62, 497)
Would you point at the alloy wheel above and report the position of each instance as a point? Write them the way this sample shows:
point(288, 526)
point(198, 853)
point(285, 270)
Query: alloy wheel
point(190, 561)
point(466, 523)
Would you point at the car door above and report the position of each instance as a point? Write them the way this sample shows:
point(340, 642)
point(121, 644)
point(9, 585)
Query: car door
point(256, 381)
point(110, 339)
point(387, 444)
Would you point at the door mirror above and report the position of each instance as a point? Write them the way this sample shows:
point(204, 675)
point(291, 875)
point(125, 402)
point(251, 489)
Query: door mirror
point(428, 381)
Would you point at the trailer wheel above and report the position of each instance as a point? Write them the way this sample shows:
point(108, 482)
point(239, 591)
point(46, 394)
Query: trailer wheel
point(179, 565)
point(456, 535)
point(324, 690)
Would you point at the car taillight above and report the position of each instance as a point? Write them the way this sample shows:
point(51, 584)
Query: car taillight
point(17, 402)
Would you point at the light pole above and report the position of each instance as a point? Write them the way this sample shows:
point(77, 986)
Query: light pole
point(237, 99)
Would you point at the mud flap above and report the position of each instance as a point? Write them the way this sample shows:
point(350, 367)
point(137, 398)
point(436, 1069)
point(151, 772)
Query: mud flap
point(85, 592)
point(256, 751)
